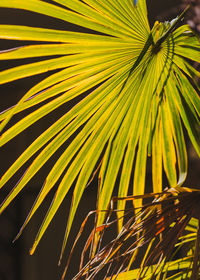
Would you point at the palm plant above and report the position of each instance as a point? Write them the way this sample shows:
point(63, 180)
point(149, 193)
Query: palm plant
point(137, 89)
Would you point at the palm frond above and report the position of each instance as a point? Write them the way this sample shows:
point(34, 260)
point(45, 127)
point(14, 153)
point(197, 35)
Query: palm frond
point(138, 86)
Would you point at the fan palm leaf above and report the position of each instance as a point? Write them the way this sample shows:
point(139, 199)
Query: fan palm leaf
point(137, 88)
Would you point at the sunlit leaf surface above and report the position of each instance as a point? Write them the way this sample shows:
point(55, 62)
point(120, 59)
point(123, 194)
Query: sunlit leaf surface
point(140, 88)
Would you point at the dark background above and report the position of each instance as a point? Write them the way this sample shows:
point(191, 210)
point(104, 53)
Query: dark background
point(15, 262)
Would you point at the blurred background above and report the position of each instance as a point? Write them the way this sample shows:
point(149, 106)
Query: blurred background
point(15, 261)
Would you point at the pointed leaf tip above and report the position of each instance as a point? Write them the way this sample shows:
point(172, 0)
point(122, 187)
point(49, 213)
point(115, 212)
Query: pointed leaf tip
point(31, 251)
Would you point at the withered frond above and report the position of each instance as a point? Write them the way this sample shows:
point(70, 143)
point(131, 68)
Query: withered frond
point(149, 238)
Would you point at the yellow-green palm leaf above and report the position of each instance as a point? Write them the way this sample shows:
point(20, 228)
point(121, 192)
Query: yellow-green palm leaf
point(139, 94)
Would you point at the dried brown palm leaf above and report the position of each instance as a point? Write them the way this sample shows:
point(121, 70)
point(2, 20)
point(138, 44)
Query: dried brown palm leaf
point(148, 238)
